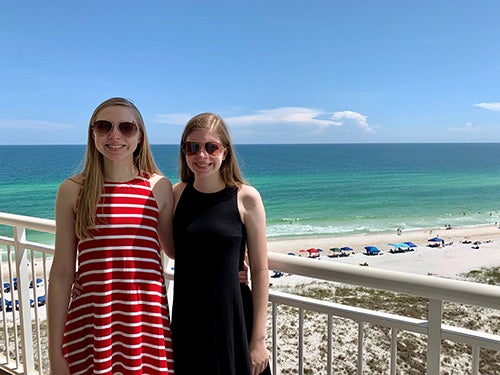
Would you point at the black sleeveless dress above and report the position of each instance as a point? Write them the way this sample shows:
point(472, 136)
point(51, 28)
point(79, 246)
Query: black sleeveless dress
point(208, 322)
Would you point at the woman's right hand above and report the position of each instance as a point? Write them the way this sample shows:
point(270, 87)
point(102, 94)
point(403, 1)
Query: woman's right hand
point(59, 366)
point(76, 289)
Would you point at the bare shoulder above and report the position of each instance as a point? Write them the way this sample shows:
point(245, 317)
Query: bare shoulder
point(71, 184)
point(158, 179)
point(69, 191)
point(249, 192)
point(249, 197)
point(162, 190)
point(77, 179)
point(178, 189)
point(251, 207)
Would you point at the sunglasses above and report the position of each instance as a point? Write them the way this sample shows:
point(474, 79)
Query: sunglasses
point(104, 127)
point(193, 148)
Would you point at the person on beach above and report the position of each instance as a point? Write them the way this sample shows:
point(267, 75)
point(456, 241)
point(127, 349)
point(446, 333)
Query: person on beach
point(218, 218)
point(112, 220)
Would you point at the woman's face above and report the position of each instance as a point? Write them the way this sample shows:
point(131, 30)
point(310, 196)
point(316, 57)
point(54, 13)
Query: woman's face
point(117, 145)
point(204, 153)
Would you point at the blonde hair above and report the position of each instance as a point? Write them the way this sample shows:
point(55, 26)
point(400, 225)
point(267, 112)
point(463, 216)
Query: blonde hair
point(230, 170)
point(93, 169)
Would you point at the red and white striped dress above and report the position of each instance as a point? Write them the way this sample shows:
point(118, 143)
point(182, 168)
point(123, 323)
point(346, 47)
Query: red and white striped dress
point(120, 323)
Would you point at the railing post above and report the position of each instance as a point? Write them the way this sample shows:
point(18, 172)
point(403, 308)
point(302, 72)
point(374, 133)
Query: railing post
point(329, 355)
point(275, 337)
point(475, 360)
point(24, 299)
point(301, 341)
point(361, 344)
point(394, 350)
point(434, 336)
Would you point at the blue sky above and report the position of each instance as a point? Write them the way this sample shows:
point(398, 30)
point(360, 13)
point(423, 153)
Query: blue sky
point(276, 71)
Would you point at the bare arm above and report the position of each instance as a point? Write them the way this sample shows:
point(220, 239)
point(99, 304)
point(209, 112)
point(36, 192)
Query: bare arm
point(254, 217)
point(162, 190)
point(62, 272)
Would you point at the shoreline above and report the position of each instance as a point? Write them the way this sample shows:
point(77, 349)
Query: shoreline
point(449, 261)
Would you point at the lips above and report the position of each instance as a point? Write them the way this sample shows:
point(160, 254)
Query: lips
point(115, 147)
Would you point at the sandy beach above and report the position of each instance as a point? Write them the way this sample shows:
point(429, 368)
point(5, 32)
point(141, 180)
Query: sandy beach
point(448, 261)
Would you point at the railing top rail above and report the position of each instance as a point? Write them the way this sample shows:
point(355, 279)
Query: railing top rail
point(30, 222)
point(424, 286)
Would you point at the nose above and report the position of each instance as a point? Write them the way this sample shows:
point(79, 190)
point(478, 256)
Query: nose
point(203, 151)
point(115, 132)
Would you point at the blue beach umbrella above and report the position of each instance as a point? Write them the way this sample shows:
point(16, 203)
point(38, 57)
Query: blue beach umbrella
point(402, 245)
point(372, 250)
point(435, 239)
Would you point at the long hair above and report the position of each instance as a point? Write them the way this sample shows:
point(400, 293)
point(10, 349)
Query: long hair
point(230, 170)
point(93, 169)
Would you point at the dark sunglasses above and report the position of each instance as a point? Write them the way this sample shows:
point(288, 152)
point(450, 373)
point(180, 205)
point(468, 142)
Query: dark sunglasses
point(193, 148)
point(104, 127)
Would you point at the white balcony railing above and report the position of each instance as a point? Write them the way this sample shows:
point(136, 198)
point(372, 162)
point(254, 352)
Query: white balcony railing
point(24, 275)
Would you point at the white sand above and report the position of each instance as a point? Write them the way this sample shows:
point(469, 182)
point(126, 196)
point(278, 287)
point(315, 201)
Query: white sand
point(448, 261)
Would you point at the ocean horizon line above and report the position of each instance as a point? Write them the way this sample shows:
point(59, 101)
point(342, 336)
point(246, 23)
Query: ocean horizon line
point(272, 144)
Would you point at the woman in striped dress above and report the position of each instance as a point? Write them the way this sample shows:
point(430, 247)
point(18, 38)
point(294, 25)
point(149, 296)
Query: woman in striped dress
point(112, 220)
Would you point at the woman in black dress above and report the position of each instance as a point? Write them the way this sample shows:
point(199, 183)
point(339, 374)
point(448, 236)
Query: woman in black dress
point(217, 218)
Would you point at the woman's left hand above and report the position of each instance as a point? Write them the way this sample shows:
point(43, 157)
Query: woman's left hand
point(243, 274)
point(259, 359)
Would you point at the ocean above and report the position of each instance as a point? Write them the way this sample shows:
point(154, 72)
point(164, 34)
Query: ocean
point(307, 189)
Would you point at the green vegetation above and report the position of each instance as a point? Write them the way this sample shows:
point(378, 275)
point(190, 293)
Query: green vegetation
point(484, 275)
point(411, 347)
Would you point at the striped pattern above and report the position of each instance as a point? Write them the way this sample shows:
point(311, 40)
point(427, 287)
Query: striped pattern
point(120, 324)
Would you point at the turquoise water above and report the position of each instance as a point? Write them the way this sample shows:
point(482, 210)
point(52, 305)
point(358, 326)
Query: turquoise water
point(308, 190)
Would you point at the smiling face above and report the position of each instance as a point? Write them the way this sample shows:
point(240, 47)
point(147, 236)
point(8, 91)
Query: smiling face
point(203, 164)
point(114, 145)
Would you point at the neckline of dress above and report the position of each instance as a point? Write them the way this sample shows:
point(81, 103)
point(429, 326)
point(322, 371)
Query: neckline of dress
point(211, 193)
point(138, 176)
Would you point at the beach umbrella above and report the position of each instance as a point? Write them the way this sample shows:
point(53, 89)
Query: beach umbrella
point(372, 250)
point(303, 252)
point(400, 245)
point(346, 248)
point(335, 249)
point(410, 244)
point(435, 239)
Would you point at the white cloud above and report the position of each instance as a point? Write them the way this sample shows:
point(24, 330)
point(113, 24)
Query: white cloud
point(283, 115)
point(359, 119)
point(467, 128)
point(490, 106)
point(33, 125)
